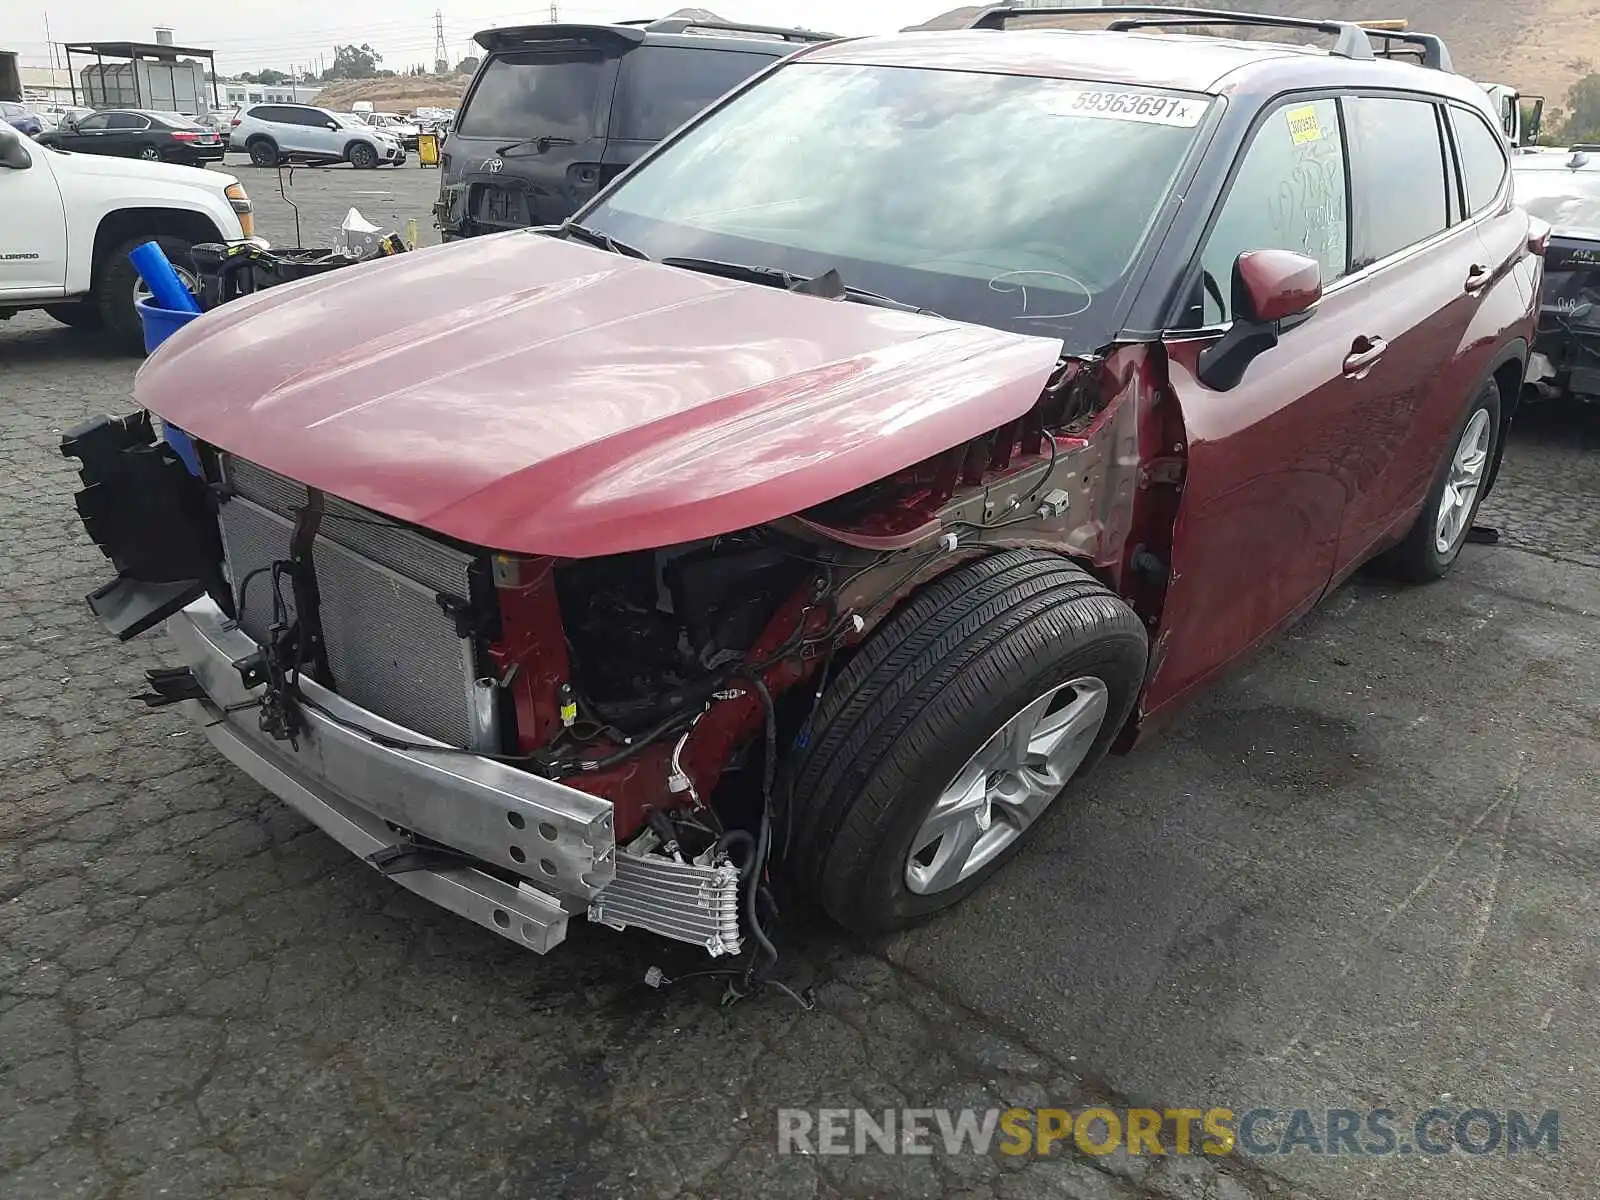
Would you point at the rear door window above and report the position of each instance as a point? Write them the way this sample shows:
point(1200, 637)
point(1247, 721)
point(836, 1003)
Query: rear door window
point(540, 93)
point(663, 86)
point(1398, 186)
point(1288, 194)
point(1483, 158)
point(127, 121)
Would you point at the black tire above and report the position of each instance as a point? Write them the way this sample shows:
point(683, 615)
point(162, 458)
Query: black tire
point(362, 156)
point(81, 314)
point(263, 151)
point(920, 698)
point(114, 283)
point(1418, 559)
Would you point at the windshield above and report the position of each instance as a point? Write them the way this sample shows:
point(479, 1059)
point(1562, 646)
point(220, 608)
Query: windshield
point(1568, 199)
point(1009, 201)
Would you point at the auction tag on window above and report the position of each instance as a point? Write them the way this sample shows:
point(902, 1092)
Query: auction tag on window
point(1303, 124)
point(1151, 108)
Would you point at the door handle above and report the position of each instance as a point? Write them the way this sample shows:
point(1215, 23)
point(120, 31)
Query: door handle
point(1477, 277)
point(1363, 353)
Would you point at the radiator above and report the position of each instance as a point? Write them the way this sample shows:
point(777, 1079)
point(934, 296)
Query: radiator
point(391, 647)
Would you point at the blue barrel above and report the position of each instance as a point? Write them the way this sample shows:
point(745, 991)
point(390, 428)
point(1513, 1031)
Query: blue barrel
point(159, 325)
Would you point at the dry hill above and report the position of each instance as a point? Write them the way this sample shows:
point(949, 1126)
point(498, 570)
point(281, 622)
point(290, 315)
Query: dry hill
point(392, 94)
point(1539, 46)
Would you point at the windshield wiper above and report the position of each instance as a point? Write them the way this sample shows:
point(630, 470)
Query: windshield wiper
point(541, 145)
point(829, 285)
point(603, 240)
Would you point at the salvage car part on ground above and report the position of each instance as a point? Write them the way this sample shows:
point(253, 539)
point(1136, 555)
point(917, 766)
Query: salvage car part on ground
point(822, 500)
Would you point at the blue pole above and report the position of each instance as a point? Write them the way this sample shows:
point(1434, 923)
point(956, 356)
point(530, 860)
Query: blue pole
point(168, 291)
point(164, 283)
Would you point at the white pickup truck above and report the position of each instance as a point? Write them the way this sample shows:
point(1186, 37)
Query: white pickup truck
point(70, 219)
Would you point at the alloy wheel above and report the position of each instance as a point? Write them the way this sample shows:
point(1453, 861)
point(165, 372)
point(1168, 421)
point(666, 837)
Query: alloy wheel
point(1467, 466)
point(1007, 785)
point(141, 290)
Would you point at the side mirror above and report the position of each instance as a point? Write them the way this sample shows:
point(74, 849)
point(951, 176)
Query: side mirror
point(333, 125)
point(1533, 120)
point(1270, 289)
point(14, 155)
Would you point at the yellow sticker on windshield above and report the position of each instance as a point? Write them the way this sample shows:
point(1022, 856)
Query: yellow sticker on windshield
point(1303, 125)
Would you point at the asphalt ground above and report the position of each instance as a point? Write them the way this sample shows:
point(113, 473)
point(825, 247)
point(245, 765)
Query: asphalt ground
point(1359, 874)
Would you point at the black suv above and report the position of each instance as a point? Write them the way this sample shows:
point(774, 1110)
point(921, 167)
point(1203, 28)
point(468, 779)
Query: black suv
point(556, 112)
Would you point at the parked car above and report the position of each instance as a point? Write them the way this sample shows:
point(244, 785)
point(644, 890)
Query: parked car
point(70, 220)
point(139, 133)
point(273, 133)
point(21, 118)
point(1564, 190)
point(406, 131)
point(555, 112)
point(924, 419)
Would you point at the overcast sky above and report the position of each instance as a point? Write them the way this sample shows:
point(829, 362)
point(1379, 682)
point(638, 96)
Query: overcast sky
point(251, 35)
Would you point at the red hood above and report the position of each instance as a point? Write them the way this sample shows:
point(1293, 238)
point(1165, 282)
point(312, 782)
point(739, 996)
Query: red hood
point(528, 394)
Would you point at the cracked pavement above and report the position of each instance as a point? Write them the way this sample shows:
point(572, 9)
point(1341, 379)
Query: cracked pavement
point(1360, 872)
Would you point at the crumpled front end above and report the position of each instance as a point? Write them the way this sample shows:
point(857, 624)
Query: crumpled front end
point(358, 669)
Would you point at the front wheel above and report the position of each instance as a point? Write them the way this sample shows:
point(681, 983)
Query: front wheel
point(264, 152)
point(1434, 543)
point(118, 287)
point(363, 157)
point(954, 729)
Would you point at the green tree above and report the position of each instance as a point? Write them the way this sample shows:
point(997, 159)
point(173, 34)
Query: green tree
point(354, 62)
point(467, 65)
point(269, 76)
point(1583, 111)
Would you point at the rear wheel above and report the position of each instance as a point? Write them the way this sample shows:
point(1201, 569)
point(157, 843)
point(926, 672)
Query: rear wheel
point(117, 286)
point(150, 154)
point(263, 152)
point(1434, 542)
point(953, 730)
point(363, 157)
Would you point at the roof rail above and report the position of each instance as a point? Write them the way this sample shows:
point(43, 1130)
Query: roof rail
point(777, 32)
point(1435, 55)
point(1352, 40)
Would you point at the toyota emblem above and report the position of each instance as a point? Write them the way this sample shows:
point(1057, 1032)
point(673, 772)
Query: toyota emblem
point(495, 165)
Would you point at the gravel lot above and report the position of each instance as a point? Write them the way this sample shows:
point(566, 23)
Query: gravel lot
point(1359, 873)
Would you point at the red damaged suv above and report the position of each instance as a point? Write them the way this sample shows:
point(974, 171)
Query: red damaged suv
point(902, 434)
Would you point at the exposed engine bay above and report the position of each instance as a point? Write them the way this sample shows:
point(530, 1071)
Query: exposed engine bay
point(657, 630)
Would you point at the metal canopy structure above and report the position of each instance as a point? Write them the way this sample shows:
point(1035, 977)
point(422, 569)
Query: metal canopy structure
point(134, 52)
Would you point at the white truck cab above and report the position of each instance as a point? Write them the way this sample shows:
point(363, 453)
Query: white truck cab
point(70, 220)
point(1521, 129)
